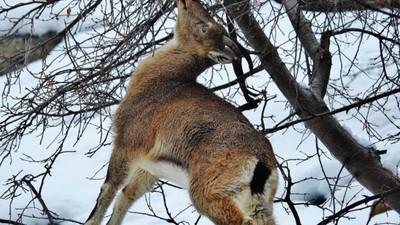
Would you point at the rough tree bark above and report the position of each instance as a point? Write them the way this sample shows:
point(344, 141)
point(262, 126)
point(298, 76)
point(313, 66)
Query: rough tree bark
point(363, 163)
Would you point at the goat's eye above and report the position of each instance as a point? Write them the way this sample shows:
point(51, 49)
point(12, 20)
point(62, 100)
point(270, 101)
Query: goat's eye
point(204, 27)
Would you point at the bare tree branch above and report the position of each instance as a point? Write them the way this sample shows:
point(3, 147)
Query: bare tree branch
point(358, 203)
point(10, 222)
point(359, 103)
point(302, 27)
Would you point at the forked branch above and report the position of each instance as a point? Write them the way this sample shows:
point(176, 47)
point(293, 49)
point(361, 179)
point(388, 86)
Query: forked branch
point(319, 53)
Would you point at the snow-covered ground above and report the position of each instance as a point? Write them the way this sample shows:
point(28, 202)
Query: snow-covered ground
point(71, 192)
point(75, 180)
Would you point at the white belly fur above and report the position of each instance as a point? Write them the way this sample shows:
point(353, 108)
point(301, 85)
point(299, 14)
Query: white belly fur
point(168, 171)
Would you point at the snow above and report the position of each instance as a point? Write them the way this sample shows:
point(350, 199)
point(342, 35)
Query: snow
point(75, 180)
point(52, 18)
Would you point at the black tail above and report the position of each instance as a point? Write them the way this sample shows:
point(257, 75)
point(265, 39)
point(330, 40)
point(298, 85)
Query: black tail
point(260, 176)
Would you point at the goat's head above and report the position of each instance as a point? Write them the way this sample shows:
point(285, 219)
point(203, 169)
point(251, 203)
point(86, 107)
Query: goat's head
point(197, 30)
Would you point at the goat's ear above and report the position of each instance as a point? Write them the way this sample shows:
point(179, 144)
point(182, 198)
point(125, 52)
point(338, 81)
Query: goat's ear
point(183, 2)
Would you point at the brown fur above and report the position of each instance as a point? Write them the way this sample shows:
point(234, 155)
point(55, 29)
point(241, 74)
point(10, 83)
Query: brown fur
point(167, 120)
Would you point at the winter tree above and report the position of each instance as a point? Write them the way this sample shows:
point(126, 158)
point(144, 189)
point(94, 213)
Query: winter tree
point(321, 81)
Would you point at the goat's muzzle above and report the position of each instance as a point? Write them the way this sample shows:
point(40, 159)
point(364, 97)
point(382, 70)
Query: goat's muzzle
point(231, 47)
point(228, 54)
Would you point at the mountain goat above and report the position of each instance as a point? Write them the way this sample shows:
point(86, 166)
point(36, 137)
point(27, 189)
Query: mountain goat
point(169, 126)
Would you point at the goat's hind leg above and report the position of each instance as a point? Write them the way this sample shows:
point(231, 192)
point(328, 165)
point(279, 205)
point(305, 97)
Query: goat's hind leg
point(260, 210)
point(118, 171)
point(260, 205)
point(215, 196)
point(140, 183)
point(219, 208)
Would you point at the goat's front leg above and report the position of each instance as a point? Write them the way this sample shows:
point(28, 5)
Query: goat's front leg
point(118, 172)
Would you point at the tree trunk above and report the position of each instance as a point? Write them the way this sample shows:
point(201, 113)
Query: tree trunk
point(363, 163)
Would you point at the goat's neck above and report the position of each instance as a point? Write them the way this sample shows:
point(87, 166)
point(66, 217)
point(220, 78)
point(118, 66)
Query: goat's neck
point(168, 65)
